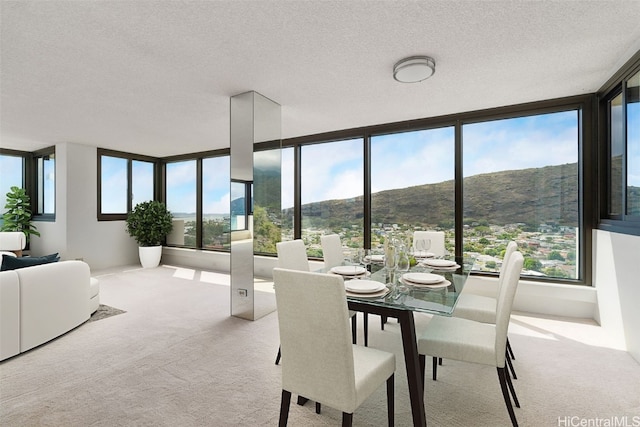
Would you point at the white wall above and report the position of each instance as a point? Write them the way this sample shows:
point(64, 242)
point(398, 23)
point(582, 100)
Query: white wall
point(617, 281)
point(76, 232)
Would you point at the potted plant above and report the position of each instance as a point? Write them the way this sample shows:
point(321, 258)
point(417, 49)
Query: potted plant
point(18, 213)
point(149, 223)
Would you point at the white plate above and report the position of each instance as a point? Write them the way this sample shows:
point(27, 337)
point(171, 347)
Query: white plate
point(443, 284)
point(378, 294)
point(422, 278)
point(348, 270)
point(377, 258)
point(424, 255)
point(363, 286)
point(439, 262)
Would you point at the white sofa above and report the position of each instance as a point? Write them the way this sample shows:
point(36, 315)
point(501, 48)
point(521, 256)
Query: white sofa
point(42, 302)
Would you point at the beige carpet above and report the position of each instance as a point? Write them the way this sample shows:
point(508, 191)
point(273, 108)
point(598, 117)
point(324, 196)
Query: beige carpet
point(176, 358)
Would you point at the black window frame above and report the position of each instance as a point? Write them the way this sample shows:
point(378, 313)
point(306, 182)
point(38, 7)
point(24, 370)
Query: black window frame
point(130, 157)
point(34, 184)
point(622, 223)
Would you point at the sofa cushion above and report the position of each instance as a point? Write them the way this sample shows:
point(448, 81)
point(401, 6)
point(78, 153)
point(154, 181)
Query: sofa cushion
point(11, 263)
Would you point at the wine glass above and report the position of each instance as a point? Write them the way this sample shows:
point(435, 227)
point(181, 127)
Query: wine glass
point(403, 262)
point(365, 258)
point(423, 245)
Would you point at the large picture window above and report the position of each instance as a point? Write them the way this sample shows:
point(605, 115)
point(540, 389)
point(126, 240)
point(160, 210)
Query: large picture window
point(332, 186)
point(521, 183)
point(216, 203)
point(181, 187)
point(412, 184)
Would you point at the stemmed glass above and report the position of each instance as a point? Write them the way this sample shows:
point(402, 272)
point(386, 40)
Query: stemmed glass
point(403, 262)
point(423, 245)
point(365, 258)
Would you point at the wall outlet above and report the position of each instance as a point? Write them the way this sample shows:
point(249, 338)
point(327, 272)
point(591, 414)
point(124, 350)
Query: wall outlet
point(242, 292)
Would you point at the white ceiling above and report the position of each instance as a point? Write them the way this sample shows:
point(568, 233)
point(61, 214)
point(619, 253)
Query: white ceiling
point(155, 77)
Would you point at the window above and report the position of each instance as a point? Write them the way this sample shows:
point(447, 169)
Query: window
point(45, 184)
point(287, 191)
point(332, 188)
point(620, 112)
point(11, 175)
point(216, 203)
point(267, 200)
point(181, 184)
point(124, 180)
point(240, 205)
point(114, 185)
point(521, 183)
point(412, 184)
point(632, 102)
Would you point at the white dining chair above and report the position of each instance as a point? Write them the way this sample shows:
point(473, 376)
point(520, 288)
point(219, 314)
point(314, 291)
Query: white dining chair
point(436, 238)
point(482, 308)
point(470, 341)
point(333, 256)
point(292, 255)
point(321, 363)
point(331, 250)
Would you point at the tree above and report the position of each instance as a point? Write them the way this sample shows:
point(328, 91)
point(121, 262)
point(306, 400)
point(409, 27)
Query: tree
point(18, 213)
point(532, 264)
point(555, 255)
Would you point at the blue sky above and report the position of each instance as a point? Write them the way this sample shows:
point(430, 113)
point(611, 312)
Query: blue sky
point(334, 170)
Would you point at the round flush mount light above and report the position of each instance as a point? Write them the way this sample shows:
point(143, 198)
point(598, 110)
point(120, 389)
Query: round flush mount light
point(414, 69)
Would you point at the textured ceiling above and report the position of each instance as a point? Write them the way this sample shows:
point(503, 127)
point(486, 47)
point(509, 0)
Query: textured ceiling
point(155, 77)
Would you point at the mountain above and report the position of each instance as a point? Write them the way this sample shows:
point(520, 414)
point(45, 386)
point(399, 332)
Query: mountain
point(534, 196)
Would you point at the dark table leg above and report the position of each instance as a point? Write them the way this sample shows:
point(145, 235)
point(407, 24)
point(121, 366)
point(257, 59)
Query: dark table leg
point(412, 363)
point(410, 346)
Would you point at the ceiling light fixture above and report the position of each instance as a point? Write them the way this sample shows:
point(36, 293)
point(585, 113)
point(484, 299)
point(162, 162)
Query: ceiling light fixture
point(414, 69)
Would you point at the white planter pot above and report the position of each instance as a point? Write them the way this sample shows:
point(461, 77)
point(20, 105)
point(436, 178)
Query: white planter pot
point(150, 256)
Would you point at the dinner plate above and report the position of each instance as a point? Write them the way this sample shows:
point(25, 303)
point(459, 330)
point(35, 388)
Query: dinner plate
point(378, 294)
point(422, 278)
point(348, 270)
point(439, 262)
point(363, 286)
point(443, 284)
point(376, 258)
point(424, 255)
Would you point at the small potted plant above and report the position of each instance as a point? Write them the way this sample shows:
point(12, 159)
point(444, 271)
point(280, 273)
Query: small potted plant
point(149, 223)
point(17, 216)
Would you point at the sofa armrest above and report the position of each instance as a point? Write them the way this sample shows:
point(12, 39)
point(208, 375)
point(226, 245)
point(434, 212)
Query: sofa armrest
point(53, 300)
point(9, 314)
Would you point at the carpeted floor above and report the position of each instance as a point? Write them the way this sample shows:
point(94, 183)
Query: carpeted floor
point(176, 358)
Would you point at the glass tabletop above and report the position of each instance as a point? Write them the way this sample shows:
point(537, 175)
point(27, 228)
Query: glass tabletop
point(439, 298)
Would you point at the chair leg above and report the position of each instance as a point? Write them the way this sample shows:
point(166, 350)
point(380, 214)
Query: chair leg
point(354, 328)
point(390, 400)
point(440, 361)
point(510, 365)
point(422, 358)
point(435, 367)
point(318, 407)
point(279, 355)
point(366, 328)
point(513, 391)
point(502, 376)
point(284, 408)
point(510, 350)
point(347, 419)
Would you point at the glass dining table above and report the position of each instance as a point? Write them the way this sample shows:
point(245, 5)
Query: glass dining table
point(402, 301)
